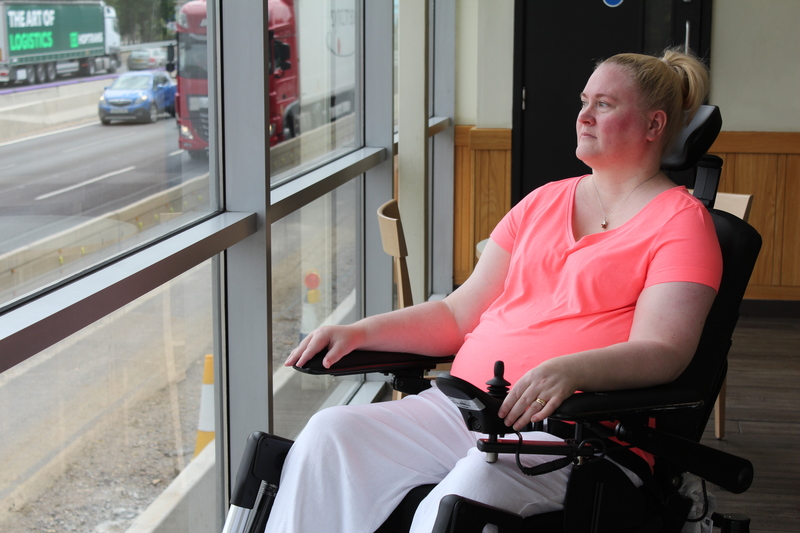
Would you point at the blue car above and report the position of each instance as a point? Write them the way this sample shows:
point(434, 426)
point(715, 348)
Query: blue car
point(137, 96)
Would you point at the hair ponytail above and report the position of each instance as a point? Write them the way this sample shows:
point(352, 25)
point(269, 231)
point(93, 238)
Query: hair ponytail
point(694, 78)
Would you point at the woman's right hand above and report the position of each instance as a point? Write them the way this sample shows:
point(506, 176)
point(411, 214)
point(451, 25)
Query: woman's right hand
point(339, 340)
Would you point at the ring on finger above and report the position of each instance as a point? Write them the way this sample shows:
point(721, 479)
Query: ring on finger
point(541, 402)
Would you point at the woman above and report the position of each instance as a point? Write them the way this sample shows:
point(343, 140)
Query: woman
point(598, 282)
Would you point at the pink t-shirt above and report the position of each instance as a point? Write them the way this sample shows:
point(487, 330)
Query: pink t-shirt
point(563, 296)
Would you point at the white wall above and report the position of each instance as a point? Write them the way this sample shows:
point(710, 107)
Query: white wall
point(755, 69)
point(495, 63)
point(484, 62)
point(466, 65)
point(755, 75)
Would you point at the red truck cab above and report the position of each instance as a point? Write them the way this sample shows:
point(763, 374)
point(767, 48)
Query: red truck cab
point(283, 70)
point(192, 77)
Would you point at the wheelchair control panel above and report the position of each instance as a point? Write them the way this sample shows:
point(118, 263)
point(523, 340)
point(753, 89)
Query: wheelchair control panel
point(478, 407)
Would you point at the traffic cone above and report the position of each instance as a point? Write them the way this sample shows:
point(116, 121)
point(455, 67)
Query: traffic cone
point(205, 426)
point(308, 316)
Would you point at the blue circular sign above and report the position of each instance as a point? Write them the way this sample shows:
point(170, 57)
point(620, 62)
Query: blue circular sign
point(613, 3)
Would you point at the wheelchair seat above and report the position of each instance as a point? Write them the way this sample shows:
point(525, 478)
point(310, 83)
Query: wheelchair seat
point(667, 421)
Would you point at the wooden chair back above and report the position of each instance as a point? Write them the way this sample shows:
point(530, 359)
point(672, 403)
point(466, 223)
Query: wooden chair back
point(394, 244)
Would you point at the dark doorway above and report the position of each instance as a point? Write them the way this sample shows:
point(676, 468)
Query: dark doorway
point(557, 45)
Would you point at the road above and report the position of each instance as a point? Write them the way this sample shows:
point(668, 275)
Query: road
point(51, 181)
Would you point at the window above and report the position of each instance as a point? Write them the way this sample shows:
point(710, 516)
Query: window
point(316, 280)
point(86, 180)
point(101, 385)
point(119, 301)
point(96, 427)
point(314, 75)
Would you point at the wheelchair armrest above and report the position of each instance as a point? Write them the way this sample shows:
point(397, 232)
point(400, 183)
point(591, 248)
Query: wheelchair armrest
point(366, 361)
point(480, 407)
point(728, 471)
point(599, 406)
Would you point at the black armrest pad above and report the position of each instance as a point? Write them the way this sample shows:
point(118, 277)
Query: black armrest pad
point(597, 406)
point(365, 361)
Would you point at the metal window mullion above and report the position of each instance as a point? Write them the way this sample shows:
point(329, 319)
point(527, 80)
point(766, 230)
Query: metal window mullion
point(242, 30)
point(215, 158)
point(442, 163)
point(379, 132)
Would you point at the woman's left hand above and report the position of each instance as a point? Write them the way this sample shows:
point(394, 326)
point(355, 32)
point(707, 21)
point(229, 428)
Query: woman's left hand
point(537, 394)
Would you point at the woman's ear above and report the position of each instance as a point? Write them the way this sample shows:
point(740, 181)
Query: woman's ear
point(656, 125)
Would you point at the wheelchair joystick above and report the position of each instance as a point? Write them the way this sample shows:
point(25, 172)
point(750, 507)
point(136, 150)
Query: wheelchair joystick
point(479, 406)
point(498, 386)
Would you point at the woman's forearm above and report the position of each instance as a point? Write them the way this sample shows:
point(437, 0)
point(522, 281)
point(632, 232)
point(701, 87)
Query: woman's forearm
point(629, 365)
point(428, 328)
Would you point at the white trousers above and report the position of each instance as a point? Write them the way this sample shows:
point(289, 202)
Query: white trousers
point(352, 465)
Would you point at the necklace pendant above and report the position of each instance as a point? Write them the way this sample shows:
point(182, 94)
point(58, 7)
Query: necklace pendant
point(604, 223)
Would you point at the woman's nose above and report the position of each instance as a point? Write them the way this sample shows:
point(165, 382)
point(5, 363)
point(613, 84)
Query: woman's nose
point(585, 116)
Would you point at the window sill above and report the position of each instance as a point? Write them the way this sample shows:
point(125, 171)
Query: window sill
point(54, 316)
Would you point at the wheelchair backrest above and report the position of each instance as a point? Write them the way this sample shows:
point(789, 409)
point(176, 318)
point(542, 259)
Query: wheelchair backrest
point(740, 244)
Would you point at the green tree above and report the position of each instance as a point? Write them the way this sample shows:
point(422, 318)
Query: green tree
point(142, 21)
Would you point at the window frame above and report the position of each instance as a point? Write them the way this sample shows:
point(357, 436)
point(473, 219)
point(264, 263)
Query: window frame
point(238, 236)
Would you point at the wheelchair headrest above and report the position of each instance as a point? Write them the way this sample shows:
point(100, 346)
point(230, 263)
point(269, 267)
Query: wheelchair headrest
point(694, 140)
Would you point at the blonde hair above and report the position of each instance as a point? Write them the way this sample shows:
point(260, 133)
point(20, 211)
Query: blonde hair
point(676, 83)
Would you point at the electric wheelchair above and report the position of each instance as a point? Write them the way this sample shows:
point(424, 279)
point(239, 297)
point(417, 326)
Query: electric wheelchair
point(666, 421)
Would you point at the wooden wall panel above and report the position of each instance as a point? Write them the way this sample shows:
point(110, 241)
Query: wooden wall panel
point(482, 191)
point(790, 265)
point(492, 195)
point(756, 174)
point(767, 165)
point(463, 228)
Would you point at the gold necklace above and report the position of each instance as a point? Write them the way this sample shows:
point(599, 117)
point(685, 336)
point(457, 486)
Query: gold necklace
point(604, 223)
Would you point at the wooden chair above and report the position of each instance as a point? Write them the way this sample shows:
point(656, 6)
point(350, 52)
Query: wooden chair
point(394, 244)
point(737, 205)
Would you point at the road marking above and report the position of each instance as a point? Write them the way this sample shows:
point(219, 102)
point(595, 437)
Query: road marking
point(83, 183)
point(104, 141)
point(49, 133)
point(176, 152)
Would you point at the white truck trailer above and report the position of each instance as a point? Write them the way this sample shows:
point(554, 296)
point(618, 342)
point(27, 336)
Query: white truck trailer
point(43, 39)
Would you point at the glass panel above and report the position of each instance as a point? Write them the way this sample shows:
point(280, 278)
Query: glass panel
point(91, 164)
point(96, 428)
point(316, 276)
point(313, 75)
point(394, 62)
